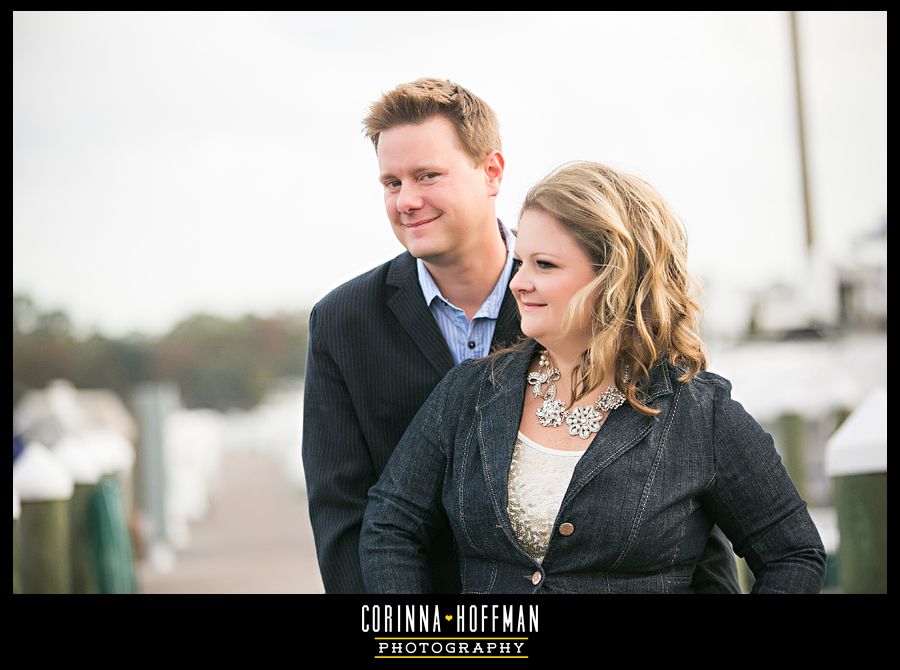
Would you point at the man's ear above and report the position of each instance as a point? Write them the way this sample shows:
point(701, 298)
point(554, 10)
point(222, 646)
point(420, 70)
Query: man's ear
point(493, 170)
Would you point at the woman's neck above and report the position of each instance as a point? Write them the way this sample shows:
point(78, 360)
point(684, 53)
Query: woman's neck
point(565, 356)
point(566, 359)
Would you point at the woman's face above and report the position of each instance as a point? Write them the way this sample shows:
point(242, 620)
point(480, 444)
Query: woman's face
point(552, 268)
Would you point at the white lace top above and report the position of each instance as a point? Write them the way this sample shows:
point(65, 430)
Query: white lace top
point(538, 479)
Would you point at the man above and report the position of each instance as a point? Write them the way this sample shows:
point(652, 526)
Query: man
point(380, 343)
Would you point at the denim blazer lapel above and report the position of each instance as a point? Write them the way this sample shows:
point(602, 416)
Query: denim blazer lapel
point(623, 429)
point(499, 412)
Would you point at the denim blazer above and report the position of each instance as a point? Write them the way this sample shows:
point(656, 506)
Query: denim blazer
point(638, 509)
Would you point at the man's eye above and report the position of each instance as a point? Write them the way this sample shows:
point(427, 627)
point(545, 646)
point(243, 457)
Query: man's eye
point(430, 175)
point(392, 184)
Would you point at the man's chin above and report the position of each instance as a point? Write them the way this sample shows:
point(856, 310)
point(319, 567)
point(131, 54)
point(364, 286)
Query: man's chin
point(428, 253)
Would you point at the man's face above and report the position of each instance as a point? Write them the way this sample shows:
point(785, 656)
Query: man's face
point(438, 203)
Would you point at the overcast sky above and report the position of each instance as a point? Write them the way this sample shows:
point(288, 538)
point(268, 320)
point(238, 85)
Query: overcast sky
point(167, 163)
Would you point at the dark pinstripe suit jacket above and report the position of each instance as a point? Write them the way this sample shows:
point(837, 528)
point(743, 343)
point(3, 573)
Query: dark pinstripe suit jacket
point(375, 354)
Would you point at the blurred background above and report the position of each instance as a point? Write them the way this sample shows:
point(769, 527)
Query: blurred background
point(187, 185)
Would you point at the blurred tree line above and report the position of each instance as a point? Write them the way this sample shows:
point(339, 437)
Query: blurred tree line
point(217, 363)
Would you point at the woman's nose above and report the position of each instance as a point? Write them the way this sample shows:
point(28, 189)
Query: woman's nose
point(520, 282)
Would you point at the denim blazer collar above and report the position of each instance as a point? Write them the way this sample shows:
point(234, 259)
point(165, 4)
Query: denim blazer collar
point(499, 413)
point(510, 371)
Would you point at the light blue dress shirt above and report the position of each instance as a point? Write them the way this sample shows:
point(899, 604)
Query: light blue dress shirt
point(468, 339)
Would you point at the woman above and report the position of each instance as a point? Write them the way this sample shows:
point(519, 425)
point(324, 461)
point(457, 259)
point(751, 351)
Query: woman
point(596, 456)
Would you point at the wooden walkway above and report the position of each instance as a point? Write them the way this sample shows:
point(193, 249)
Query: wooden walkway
point(255, 539)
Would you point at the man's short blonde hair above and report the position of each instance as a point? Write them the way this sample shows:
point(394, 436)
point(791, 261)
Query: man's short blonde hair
point(418, 101)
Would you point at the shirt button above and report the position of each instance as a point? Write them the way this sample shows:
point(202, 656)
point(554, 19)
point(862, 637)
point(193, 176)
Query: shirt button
point(471, 344)
point(536, 578)
point(566, 529)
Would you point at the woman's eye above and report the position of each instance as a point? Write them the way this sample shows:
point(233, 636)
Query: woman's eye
point(517, 263)
point(544, 265)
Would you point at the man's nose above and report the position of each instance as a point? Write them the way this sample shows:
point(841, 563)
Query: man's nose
point(408, 199)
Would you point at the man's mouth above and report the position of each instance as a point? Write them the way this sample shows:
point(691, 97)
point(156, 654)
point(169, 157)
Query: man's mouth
point(417, 224)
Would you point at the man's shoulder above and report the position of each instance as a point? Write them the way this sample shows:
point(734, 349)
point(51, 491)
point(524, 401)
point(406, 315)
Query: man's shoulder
point(363, 291)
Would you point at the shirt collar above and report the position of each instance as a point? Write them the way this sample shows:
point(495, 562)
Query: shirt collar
point(491, 306)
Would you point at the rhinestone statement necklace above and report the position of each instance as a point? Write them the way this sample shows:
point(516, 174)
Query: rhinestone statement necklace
point(582, 421)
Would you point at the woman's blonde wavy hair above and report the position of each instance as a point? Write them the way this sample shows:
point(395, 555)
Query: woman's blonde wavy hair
point(639, 304)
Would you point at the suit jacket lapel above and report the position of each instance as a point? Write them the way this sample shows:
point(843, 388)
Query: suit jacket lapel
point(408, 305)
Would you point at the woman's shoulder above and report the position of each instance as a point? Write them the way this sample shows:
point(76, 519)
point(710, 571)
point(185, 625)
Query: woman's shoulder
point(490, 367)
point(502, 363)
point(706, 400)
point(705, 387)
point(458, 393)
point(494, 370)
point(467, 372)
point(710, 394)
point(712, 381)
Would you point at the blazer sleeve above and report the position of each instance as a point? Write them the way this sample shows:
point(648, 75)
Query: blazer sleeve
point(755, 502)
point(404, 511)
point(716, 572)
point(336, 462)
